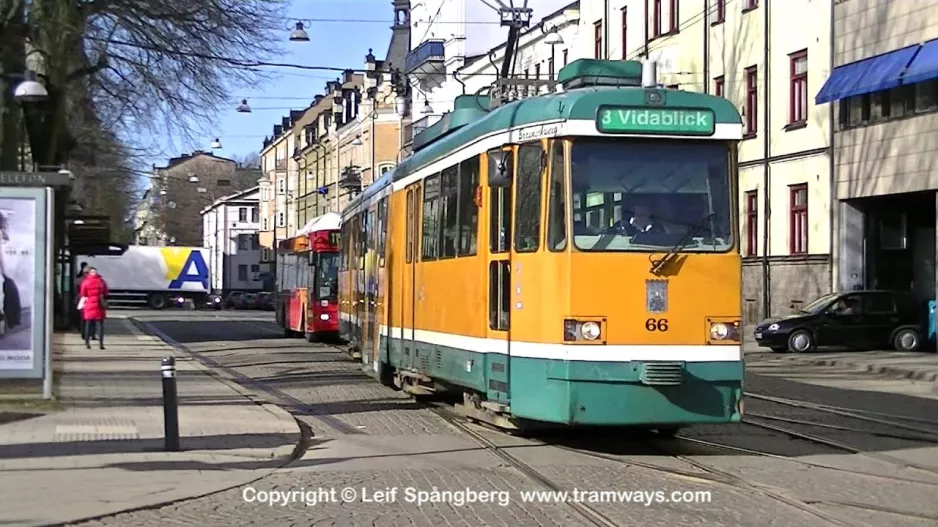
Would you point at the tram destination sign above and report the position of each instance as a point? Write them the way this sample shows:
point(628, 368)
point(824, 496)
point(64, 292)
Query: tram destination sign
point(643, 120)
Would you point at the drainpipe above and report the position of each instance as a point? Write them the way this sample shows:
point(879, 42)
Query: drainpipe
point(706, 48)
point(832, 120)
point(605, 20)
point(767, 179)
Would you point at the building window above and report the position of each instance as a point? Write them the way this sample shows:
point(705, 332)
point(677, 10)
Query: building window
point(255, 242)
point(664, 13)
point(265, 254)
point(224, 182)
point(550, 67)
point(244, 242)
point(565, 57)
point(719, 11)
point(242, 214)
point(798, 93)
point(752, 223)
point(718, 86)
point(751, 108)
point(625, 32)
point(255, 269)
point(242, 273)
point(282, 186)
point(281, 219)
point(749, 5)
point(537, 71)
point(254, 214)
point(597, 41)
point(798, 219)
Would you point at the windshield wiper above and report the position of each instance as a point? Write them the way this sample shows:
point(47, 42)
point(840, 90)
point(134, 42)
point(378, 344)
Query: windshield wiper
point(656, 265)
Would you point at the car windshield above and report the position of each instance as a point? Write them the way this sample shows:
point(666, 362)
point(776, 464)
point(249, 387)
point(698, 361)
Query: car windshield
point(648, 195)
point(819, 304)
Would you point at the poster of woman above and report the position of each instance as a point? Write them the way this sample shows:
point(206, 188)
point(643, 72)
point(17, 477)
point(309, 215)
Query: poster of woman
point(19, 286)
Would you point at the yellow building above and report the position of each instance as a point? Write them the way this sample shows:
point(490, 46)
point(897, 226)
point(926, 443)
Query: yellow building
point(737, 50)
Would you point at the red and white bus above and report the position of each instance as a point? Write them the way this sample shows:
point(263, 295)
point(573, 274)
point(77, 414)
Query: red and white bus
point(308, 280)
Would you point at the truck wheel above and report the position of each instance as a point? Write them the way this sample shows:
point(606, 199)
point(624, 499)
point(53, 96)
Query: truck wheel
point(157, 301)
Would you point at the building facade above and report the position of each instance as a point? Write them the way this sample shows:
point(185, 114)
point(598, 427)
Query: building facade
point(231, 228)
point(745, 51)
point(884, 96)
point(179, 191)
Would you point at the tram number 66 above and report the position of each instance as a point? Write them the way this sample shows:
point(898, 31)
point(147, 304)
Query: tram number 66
point(656, 324)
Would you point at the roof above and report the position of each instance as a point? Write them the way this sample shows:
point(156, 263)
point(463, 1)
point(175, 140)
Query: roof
point(326, 222)
point(237, 196)
point(580, 104)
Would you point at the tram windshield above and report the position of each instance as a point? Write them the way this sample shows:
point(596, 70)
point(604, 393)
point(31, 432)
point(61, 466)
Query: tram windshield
point(651, 195)
point(327, 277)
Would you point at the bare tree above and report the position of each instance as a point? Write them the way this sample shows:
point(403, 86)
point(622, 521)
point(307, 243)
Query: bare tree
point(250, 160)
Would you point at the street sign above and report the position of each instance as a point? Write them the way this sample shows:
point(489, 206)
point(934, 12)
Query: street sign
point(34, 179)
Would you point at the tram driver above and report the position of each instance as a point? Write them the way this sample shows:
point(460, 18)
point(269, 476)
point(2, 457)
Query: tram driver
point(644, 218)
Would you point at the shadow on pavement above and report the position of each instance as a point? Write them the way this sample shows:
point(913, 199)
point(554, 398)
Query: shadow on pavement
point(218, 443)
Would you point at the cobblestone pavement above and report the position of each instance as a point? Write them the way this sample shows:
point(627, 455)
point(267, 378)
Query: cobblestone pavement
point(369, 438)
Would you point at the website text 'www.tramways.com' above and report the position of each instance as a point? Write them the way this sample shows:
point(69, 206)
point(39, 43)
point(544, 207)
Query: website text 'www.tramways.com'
point(464, 497)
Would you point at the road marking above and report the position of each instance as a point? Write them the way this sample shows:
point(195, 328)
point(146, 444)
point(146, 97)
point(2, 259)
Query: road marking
point(139, 335)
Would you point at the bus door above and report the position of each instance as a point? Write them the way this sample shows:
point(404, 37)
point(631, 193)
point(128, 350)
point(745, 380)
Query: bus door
point(500, 171)
point(409, 298)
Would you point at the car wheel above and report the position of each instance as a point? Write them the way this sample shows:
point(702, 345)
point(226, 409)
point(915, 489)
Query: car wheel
point(800, 341)
point(906, 340)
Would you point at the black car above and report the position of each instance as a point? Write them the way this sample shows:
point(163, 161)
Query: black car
point(857, 319)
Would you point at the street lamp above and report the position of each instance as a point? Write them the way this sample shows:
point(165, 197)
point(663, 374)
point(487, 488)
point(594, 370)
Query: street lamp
point(243, 107)
point(400, 105)
point(193, 178)
point(427, 109)
point(357, 141)
point(30, 90)
point(299, 34)
point(553, 39)
point(216, 144)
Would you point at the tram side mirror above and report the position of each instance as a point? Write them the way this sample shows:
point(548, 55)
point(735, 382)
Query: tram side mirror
point(501, 168)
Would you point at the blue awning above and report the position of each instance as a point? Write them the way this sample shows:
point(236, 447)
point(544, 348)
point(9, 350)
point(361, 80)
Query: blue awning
point(869, 75)
point(924, 66)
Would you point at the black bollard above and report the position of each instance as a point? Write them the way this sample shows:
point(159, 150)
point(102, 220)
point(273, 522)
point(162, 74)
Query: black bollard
point(170, 404)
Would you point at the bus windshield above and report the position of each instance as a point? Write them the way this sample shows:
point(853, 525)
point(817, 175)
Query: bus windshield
point(327, 277)
point(651, 195)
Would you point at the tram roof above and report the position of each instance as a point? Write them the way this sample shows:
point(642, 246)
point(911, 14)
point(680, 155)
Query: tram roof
point(575, 104)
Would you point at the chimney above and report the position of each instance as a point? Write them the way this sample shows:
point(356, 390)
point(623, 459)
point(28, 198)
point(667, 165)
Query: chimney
point(277, 130)
point(318, 99)
point(285, 122)
point(348, 76)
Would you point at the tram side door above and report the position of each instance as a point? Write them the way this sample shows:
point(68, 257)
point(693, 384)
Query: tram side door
point(409, 298)
point(366, 310)
point(499, 206)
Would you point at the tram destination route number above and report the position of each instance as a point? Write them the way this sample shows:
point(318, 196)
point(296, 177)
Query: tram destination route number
point(656, 324)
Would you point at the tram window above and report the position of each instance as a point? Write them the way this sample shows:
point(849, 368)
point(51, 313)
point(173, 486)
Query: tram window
point(382, 229)
point(409, 253)
point(528, 198)
point(500, 219)
point(448, 212)
point(431, 219)
point(557, 211)
point(499, 295)
point(468, 208)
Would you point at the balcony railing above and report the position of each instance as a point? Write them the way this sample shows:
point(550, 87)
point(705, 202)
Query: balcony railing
point(430, 50)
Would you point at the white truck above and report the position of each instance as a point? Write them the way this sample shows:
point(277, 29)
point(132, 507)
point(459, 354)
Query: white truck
point(155, 276)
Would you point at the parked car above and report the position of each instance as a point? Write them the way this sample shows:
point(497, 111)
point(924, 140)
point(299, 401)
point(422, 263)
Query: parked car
point(246, 301)
point(270, 302)
point(260, 300)
point(857, 319)
point(232, 300)
point(211, 301)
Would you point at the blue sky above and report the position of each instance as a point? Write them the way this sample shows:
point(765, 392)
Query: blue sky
point(342, 42)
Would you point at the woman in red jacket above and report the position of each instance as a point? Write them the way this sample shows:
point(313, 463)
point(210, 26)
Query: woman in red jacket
point(94, 290)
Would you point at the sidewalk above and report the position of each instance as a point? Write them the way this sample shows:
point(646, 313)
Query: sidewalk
point(104, 452)
point(916, 366)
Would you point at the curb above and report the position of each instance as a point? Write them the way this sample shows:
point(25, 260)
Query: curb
point(891, 371)
point(283, 453)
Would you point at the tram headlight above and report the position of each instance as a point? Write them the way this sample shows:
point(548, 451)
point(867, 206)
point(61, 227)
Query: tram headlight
point(576, 330)
point(590, 330)
point(724, 331)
